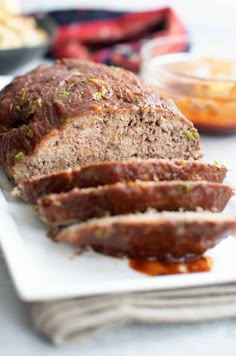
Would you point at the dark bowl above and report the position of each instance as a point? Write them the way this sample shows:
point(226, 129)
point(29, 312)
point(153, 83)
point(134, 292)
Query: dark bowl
point(11, 59)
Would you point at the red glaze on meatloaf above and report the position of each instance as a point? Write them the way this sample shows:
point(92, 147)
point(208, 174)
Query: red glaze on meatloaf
point(103, 173)
point(166, 236)
point(131, 197)
point(75, 113)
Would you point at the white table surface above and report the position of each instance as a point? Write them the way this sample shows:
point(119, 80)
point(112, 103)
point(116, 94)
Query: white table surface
point(17, 336)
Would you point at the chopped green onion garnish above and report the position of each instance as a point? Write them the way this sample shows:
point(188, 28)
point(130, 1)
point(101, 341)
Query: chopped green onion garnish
point(19, 156)
point(63, 94)
point(29, 133)
point(100, 233)
point(217, 164)
point(99, 95)
point(114, 68)
point(191, 135)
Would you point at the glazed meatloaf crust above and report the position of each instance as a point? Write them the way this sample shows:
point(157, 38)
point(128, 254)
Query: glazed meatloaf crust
point(103, 173)
point(166, 236)
point(75, 113)
point(131, 197)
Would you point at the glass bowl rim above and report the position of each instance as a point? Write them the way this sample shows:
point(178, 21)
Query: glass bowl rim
point(175, 57)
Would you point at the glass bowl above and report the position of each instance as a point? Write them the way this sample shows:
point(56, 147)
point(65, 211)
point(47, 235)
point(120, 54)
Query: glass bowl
point(203, 85)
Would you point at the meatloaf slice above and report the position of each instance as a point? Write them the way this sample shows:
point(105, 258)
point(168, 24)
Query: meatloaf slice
point(103, 173)
point(75, 113)
point(166, 236)
point(131, 197)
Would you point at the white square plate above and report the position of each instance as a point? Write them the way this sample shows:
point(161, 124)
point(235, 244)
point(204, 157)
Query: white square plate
point(42, 269)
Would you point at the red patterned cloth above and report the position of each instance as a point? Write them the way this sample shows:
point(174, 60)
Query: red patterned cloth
point(113, 37)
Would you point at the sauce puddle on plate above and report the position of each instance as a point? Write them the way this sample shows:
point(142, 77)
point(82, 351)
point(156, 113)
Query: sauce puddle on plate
point(156, 268)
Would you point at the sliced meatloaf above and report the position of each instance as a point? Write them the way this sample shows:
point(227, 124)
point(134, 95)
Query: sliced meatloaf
point(131, 197)
point(75, 113)
point(166, 236)
point(103, 173)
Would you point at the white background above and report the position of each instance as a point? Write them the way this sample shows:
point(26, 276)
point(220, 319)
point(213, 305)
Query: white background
point(220, 13)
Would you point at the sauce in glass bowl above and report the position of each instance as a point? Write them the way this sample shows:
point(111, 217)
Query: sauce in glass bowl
point(203, 88)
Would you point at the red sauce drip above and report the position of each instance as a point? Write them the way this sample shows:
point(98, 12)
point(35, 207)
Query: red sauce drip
point(156, 268)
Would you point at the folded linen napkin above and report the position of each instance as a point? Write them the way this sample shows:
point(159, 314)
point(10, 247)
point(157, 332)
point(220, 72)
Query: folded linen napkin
point(66, 321)
point(114, 37)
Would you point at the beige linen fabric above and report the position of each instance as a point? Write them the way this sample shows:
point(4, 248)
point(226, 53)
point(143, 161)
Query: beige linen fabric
point(66, 321)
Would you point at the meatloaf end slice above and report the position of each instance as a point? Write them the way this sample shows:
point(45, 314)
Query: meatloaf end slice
point(166, 236)
point(75, 113)
point(131, 197)
point(111, 172)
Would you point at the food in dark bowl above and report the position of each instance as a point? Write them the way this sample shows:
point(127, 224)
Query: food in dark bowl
point(12, 56)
